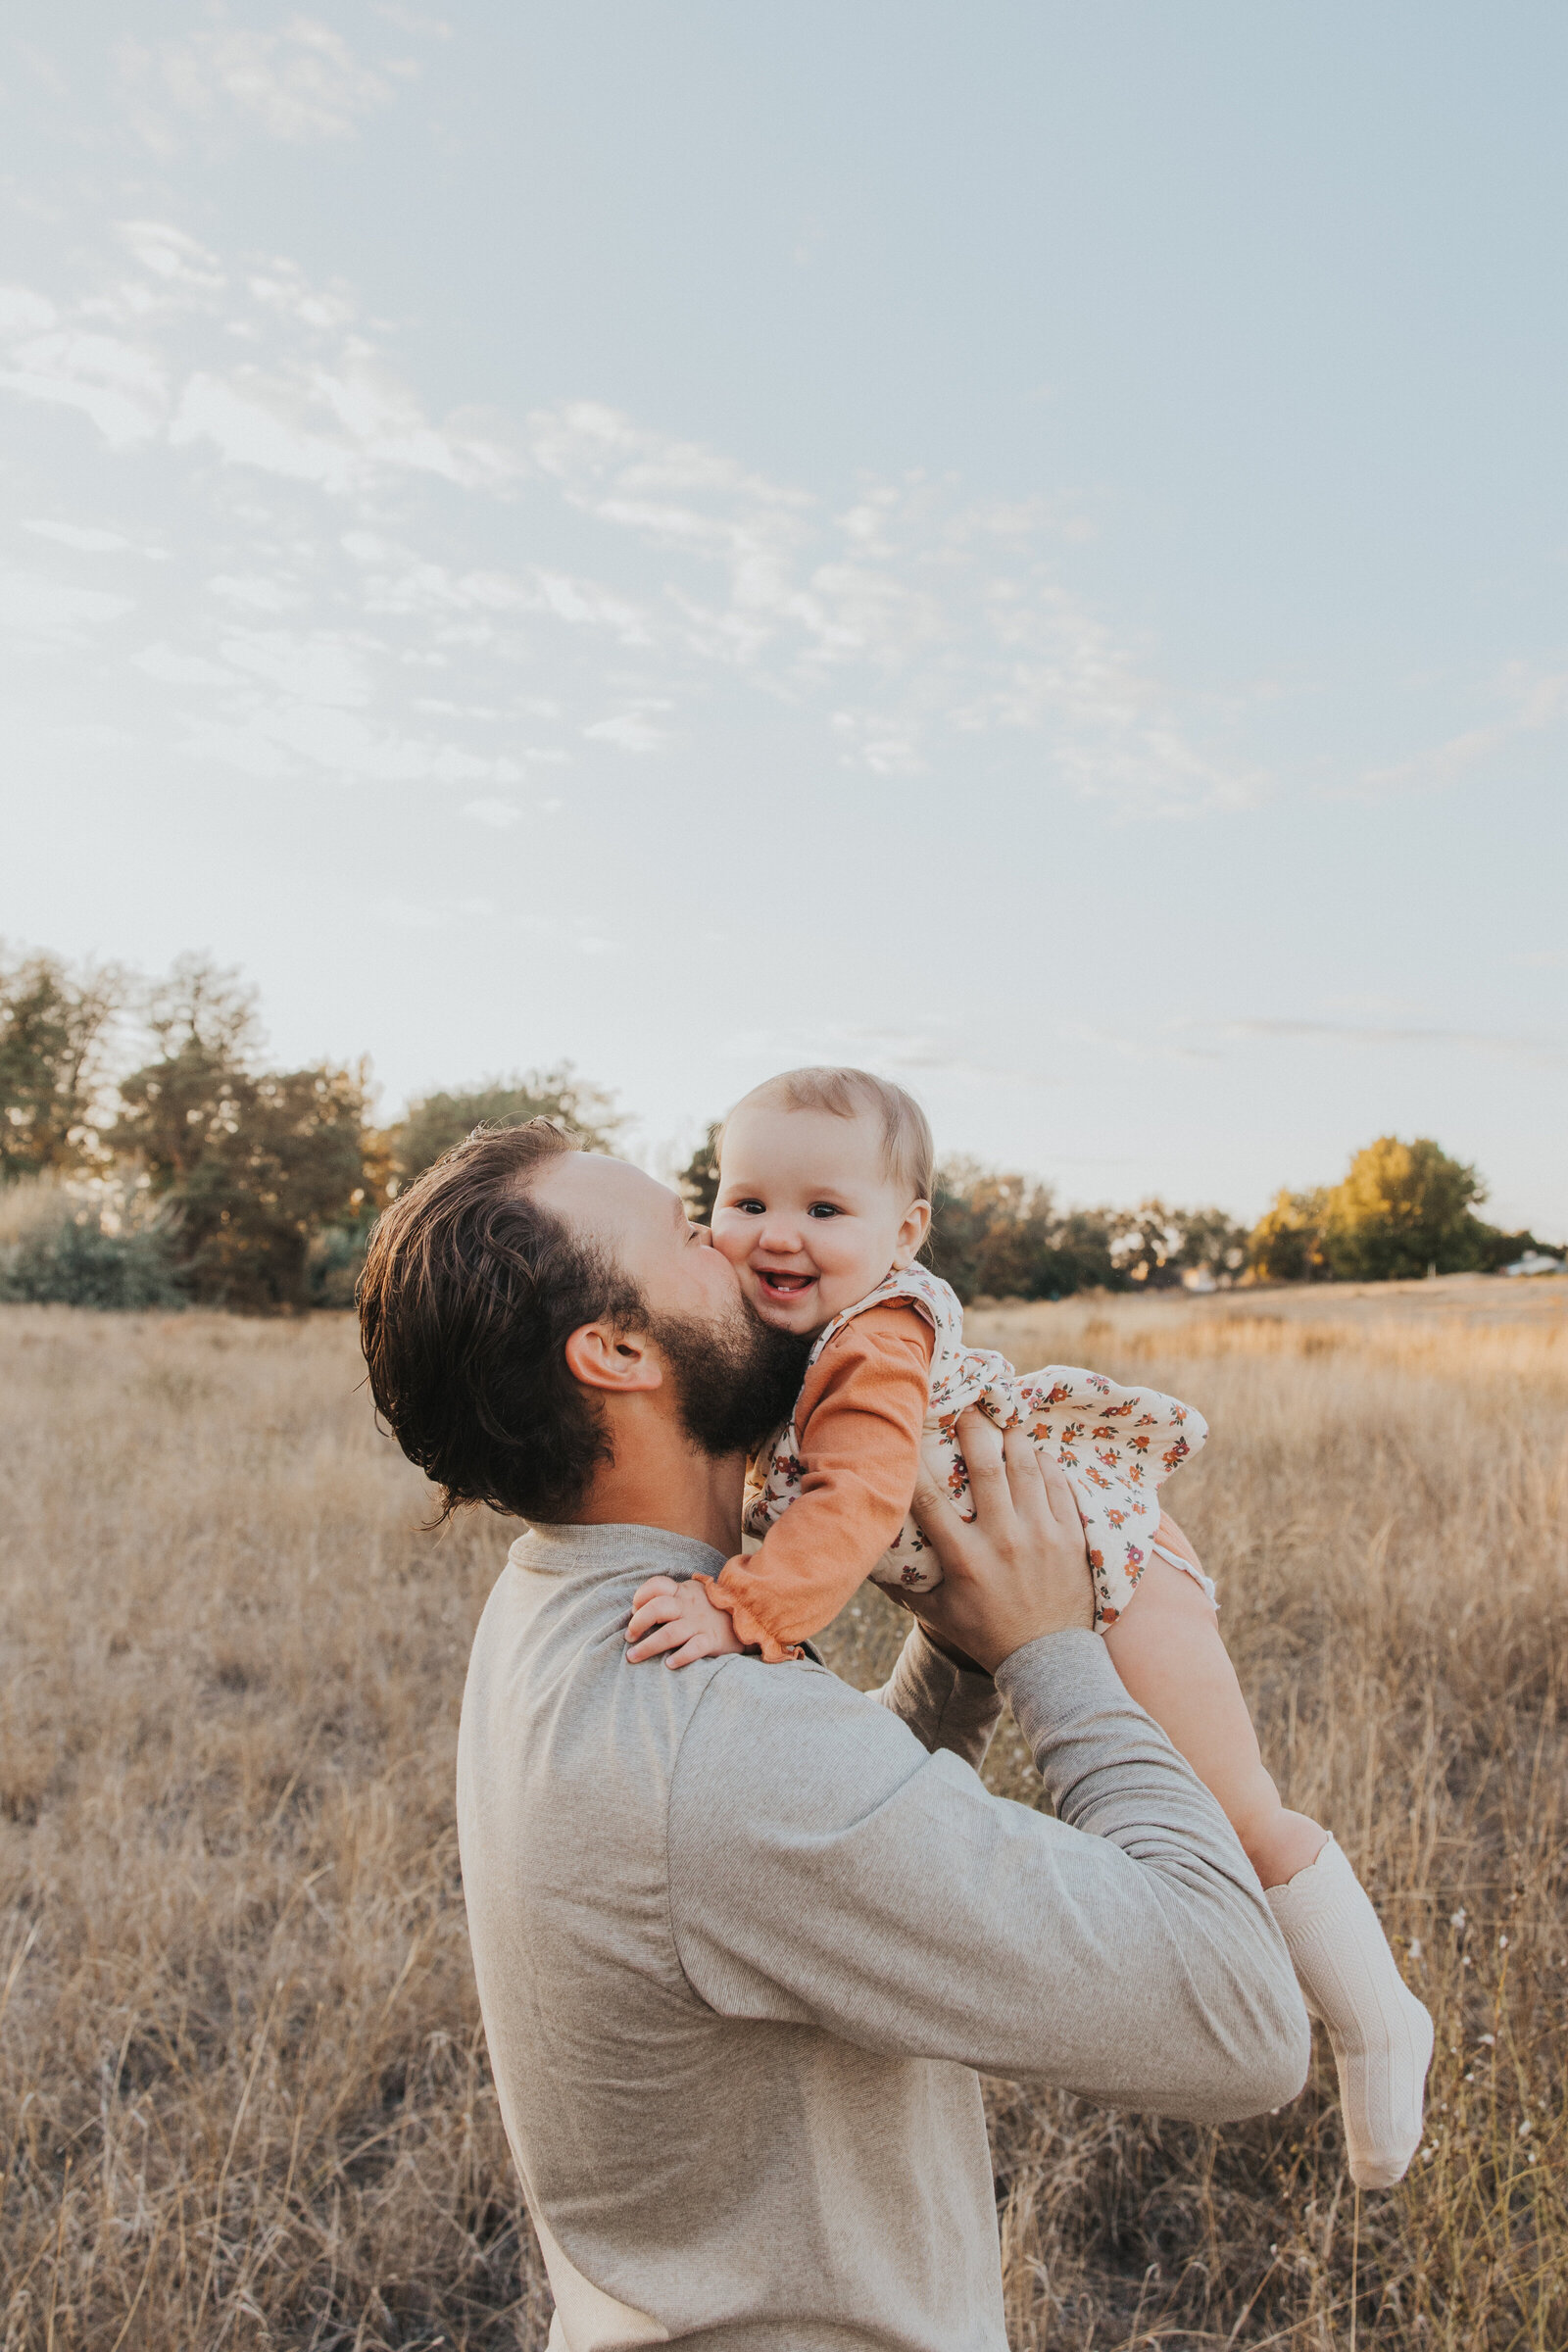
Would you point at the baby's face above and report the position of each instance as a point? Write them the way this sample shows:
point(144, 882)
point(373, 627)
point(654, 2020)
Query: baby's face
point(808, 1215)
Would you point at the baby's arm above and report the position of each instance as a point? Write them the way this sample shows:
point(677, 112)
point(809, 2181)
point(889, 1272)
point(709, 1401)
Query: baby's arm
point(859, 1418)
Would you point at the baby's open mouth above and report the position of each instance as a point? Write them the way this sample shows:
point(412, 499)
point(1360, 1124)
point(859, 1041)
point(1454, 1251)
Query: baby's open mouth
point(783, 1285)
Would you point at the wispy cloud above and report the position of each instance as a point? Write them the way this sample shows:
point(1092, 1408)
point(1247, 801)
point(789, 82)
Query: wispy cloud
point(945, 618)
point(434, 914)
point(908, 626)
point(51, 612)
point(1534, 702)
point(1547, 1052)
point(631, 730)
point(940, 1048)
point(297, 81)
point(1192, 1039)
point(91, 540)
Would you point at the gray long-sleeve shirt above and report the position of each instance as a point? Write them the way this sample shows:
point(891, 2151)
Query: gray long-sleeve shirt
point(742, 1938)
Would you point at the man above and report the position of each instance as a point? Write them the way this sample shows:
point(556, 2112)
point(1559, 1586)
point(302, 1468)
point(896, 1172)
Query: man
point(743, 1934)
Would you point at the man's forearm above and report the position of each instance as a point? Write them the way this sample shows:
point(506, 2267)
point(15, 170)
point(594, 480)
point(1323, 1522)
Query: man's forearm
point(827, 1869)
point(1112, 1773)
point(945, 1705)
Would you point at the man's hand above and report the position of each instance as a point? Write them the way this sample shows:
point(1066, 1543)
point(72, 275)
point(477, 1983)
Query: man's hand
point(1020, 1568)
point(677, 1619)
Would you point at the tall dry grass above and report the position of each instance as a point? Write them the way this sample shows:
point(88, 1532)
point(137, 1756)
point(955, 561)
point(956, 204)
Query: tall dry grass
point(243, 2096)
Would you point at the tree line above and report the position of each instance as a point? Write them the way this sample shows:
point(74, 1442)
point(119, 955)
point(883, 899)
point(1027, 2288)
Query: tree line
point(150, 1156)
point(1401, 1210)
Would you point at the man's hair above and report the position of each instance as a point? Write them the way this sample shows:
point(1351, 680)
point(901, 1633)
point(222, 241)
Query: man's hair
point(469, 1291)
point(909, 1154)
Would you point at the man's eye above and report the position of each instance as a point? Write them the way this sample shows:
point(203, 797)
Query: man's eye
point(823, 1208)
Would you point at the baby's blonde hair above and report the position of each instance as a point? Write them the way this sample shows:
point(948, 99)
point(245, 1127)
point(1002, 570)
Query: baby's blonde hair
point(909, 1154)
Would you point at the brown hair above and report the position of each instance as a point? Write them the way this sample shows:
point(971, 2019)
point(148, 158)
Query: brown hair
point(909, 1152)
point(469, 1291)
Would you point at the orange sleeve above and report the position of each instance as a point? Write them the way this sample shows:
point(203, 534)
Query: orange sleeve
point(859, 1420)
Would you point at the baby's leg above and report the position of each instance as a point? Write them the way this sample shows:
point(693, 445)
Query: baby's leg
point(1167, 1650)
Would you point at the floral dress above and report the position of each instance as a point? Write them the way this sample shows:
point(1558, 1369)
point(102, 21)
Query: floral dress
point(1114, 1446)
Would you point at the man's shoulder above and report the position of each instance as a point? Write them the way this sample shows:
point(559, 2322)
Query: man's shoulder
point(790, 1742)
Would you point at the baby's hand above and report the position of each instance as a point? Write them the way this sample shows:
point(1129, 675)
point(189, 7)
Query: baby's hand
point(678, 1618)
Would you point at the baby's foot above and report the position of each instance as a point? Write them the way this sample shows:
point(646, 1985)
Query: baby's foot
point(1380, 2034)
point(1382, 2086)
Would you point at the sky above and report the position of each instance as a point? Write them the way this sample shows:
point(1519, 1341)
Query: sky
point(1023, 546)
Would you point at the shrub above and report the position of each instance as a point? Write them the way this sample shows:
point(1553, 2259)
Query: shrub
point(336, 1259)
point(84, 1248)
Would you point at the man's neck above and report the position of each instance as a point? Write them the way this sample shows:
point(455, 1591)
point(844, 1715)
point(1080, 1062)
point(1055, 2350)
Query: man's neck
point(658, 1479)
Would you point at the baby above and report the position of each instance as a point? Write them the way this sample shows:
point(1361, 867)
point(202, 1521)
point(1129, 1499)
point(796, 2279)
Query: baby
point(824, 1201)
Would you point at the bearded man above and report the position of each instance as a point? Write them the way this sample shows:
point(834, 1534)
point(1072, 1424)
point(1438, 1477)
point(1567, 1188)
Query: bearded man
point(743, 1934)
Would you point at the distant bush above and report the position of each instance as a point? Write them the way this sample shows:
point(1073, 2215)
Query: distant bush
point(335, 1261)
point(63, 1248)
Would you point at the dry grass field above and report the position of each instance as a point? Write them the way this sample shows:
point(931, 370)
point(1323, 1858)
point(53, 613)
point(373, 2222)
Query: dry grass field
point(243, 2091)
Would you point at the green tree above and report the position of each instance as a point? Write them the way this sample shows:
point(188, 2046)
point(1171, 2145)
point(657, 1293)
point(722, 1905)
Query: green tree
point(1002, 1237)
point(437, 1121)
point(1285, 1244)
point(252, 1162)
point(698, 1181)
point(1401, 1208)
point(56, 1033)
point(988, 1231)
point(1212, 1238)
point(1145, 1245)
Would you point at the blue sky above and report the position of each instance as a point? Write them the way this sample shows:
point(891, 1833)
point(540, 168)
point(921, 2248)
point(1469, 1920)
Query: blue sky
point(1022, 545)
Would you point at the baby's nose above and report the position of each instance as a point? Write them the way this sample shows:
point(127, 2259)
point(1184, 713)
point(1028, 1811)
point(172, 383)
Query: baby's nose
point(781, 1235)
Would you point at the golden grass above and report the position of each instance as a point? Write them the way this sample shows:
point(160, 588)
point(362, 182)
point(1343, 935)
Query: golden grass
point(243, 2094)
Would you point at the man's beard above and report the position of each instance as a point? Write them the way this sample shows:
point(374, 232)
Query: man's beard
point(735, 1381)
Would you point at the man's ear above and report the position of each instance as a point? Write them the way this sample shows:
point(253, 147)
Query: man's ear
point(912, 1233)
point(620, 1361)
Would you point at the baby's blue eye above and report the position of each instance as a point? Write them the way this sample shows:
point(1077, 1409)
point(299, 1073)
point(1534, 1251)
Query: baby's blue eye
point(823, 1208)
point(749, 1208)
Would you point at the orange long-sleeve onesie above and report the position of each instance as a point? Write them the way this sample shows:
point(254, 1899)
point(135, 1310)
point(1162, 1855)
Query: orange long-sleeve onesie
point(858, 1419)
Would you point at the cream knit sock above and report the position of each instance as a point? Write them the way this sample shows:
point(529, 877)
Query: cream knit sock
point(1380, 2033)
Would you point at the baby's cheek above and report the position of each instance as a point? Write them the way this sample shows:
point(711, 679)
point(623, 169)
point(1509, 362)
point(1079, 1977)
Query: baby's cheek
point(732, 1236)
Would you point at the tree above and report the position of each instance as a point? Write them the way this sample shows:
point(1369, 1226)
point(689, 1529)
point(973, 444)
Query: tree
point(1400, 1209)
point(253, 1164)
point(435, 1122)
point(1211, 1239)
point(698, 1181)
point(1285, 1244)
point(1145, 1245)
point(56, 1031)
point(989, 1232)
point(1003, 1237)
